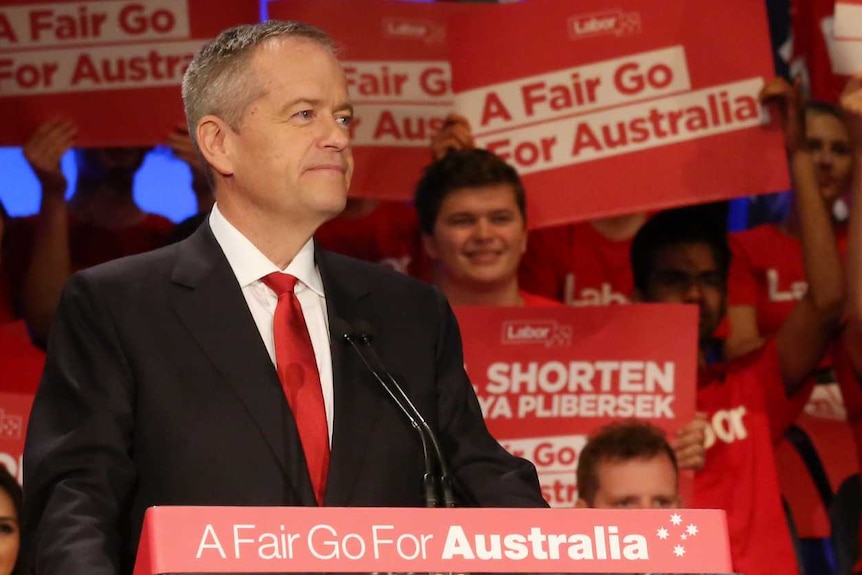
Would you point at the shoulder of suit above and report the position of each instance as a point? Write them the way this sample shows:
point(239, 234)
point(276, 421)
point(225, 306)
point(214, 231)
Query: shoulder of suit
point(147, 265)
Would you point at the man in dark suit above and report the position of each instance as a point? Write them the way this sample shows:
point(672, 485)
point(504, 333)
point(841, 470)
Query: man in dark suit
point(168, 373)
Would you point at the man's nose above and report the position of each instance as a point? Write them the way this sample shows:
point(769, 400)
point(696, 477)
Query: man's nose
point(483, 229)
point(693, 291)
point(335, 135)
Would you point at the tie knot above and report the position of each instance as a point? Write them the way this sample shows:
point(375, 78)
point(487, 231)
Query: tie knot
point(279, 283)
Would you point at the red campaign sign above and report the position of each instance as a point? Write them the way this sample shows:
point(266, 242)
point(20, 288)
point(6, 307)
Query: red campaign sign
point(395, 55)
point(548, 377)
point(114, 67)
point(14, 414)
point(332, 540)
point(609, 110)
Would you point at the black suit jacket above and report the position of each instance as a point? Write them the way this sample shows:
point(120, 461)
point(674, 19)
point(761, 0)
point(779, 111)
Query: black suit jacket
point(159, 391)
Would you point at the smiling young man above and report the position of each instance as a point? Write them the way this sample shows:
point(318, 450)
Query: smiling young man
point(214, 372)
point(472, 214)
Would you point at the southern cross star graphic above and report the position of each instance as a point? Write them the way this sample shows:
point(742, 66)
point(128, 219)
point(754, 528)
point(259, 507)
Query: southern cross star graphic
point(679, 550)
point(683, 536)
point(662, 533)
point(691, 529)
point(676, 519)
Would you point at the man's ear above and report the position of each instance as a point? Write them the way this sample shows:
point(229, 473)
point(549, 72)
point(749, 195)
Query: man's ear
point(429, 244)
point(214, 139)
point(581, 504)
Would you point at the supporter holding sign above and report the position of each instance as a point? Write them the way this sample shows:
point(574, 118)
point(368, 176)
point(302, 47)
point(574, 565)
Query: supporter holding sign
point(768, 278)
point(638, 93)
point(767, 274)
point(680, 256)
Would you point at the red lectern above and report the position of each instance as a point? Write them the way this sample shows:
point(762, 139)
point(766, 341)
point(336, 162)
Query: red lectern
point(331, 539)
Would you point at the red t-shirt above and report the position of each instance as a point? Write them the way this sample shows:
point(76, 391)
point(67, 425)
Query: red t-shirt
point(533, 300)
point(748, 412)
point(21, 362)
point(89, 245)
point(851, 391)
point(389, 235)
point(767, 272)
point(850, 383)
point(577, 265)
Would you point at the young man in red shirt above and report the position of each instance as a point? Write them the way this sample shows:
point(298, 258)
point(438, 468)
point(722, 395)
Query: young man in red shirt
point(473, 219)
point(583, 264)
point(680, 256)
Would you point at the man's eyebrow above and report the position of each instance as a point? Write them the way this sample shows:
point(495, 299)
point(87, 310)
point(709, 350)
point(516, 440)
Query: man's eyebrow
point(314, 103)
point(345, 107)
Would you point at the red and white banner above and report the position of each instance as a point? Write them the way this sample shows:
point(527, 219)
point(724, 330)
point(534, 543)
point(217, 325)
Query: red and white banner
point(344, 540)
point(396, 57)
point(14, 414)
point(548, 377)
point(114, 67)
point(845, 48)
point(609, 110)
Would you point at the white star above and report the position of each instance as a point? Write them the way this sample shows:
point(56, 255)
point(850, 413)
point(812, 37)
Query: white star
point(679, 550)
point(675, 519)
point(662, 533)
point(683, 536)
point(691, 529)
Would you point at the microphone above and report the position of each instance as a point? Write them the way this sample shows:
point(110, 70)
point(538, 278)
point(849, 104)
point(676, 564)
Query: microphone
point(360, 340)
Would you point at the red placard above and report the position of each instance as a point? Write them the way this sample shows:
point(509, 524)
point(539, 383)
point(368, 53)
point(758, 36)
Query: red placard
point(612, 109)
point(114, 67)
point(547, 377)
point(345, 540)
point(395, 55)
point(14, 414)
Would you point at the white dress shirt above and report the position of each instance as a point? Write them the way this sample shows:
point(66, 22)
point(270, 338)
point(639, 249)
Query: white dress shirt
point(249, 265)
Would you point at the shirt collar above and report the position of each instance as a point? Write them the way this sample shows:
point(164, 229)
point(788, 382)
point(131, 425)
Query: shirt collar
point(250, 265)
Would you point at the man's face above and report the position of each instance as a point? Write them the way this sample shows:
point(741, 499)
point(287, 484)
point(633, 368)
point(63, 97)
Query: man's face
point(291, 153)
point(688, 273)
point(479, 236)
point(640, 483)
point(828, 140)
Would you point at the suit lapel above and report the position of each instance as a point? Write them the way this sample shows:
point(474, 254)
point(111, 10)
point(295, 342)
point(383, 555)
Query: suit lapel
point(210, 303)
point(356, 393)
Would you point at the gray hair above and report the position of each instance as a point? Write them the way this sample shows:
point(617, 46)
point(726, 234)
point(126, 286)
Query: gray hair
point(218, 79)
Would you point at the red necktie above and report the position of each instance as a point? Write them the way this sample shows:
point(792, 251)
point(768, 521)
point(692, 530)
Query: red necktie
point(297, 370)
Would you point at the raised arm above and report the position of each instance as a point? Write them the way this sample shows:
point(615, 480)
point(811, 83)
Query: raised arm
point(806, 334)
point(49, 265)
